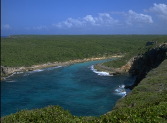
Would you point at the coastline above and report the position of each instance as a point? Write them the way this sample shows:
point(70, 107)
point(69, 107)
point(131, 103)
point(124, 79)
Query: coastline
point(9, 71)
point(115, 71)
point(110, 70)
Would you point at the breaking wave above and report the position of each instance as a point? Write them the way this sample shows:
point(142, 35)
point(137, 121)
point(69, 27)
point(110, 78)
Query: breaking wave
point(40, 70)
point(34, 71)
point(51, 68)
point(10, 75)
point(121, 90)
point(100, 73)
point(10, 81)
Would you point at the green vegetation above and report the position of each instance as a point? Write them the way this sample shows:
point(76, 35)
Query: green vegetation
point(27, 50)
point(145, 104)
point(137, 50)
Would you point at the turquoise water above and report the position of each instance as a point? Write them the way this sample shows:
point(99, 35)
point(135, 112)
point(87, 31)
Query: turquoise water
point(76, 88)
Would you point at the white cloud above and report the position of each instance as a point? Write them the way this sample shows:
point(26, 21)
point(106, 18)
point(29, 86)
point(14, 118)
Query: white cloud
point(135, 18)
point(89, 19)
point(113, 22)
point(160, 10)
point(106, 19)
point(6, 27)
point(103, 19)
point(70, 22)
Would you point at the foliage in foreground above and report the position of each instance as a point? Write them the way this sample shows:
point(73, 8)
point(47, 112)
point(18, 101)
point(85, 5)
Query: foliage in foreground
point(54, 114)
point(145, 104)
point(28, 50)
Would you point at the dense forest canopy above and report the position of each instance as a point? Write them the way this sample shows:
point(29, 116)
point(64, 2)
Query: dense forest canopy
point(27, 50)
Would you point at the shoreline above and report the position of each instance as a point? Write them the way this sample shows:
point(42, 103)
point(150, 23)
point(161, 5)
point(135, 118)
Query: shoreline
point(114, 71)
point(9, 71)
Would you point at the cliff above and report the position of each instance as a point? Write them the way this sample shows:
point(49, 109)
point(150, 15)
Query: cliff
point(147, 101)
point(141, 64)
point(149, 57)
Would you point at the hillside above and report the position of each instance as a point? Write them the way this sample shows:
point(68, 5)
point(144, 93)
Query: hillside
point(147, 101)
point(28, 50)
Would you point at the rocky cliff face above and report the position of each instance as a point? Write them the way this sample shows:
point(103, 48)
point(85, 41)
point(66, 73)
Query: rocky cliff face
point(5, 71)
point(128, 66)
point(140, 65)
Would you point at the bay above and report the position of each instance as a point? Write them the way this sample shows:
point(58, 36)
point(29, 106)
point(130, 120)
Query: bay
point(76, 88)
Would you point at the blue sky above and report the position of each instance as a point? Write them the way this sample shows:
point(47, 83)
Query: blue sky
point(83, 17)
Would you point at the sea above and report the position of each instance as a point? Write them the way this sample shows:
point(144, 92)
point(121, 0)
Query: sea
point(78, 88)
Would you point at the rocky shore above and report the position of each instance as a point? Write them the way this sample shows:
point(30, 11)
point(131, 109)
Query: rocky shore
point(139, 65)
point(115, 71)
point(7, 71)
point(142, 64)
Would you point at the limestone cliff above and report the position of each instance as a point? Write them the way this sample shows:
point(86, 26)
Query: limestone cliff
point(140, 65)
point(5, 71)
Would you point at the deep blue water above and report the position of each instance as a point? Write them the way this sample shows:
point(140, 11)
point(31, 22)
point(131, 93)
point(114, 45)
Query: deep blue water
point(76, 88)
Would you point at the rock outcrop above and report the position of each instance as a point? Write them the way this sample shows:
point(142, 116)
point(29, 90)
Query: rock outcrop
point(128, 66)
point(140, 65)
point(6, 71)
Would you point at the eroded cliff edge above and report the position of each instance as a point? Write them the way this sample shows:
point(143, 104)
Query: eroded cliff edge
point(141, 64)
point(147, 59)
point(147, 101)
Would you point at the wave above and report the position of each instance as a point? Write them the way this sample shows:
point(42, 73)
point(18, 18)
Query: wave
point(10, 81)
point(6, 78)
point(19, 72)
point(51, 68)
point(40, 70)
point(10, 75)
point(100, 73)
point(121, 90)
point(35, 71)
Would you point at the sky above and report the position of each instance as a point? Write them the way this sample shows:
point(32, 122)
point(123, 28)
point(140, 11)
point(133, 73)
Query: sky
point(55, 17)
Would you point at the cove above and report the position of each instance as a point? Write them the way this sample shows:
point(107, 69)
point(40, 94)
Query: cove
point(76, 88)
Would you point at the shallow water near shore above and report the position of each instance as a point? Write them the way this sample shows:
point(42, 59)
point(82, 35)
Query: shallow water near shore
point(76, 88)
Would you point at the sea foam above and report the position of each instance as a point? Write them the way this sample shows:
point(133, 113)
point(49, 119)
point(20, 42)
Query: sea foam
point(10, 81)
point(40, 70)
point(100, 73)
point(121, 90)
point(34, 71)
point(10, 75)
point(51, 68)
